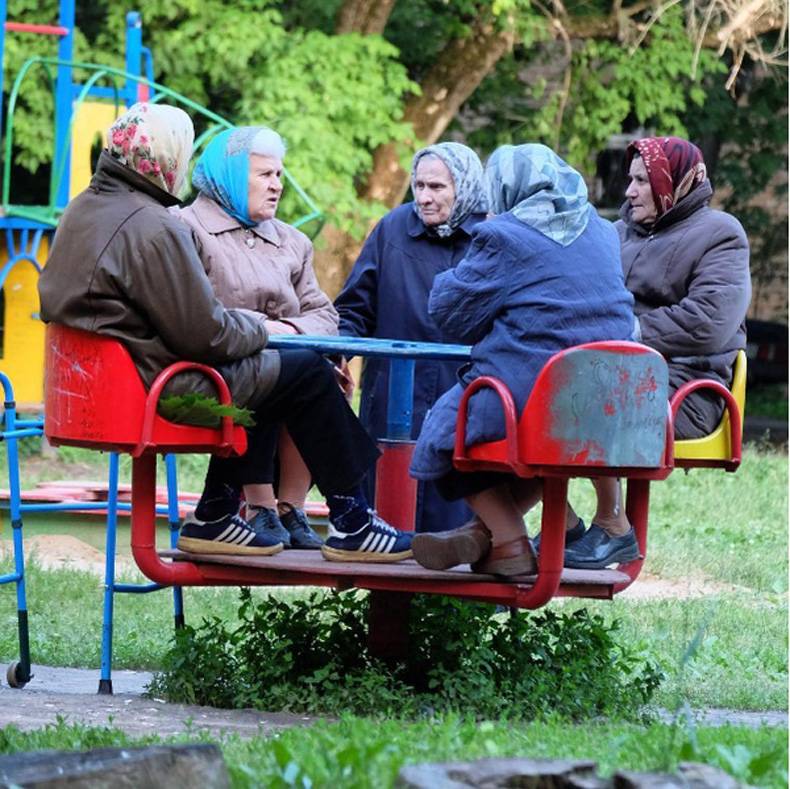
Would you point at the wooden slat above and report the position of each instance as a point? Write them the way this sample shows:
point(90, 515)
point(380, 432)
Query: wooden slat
point(313, 563)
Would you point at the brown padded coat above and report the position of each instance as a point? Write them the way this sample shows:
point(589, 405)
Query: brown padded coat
point(689, 274)
point(122, 265)
point(267, 268)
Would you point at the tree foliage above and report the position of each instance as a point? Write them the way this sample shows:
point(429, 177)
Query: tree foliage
point(354, 105)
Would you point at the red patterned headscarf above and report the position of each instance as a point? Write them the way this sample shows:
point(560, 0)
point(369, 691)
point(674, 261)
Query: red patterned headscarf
point(674, 167)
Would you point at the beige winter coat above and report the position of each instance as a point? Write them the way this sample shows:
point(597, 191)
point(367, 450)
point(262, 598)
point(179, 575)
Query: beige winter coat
point(267, 268)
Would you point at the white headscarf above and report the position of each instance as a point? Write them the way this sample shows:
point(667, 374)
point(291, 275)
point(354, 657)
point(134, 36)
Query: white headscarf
point(467, 174)
point(154, 140)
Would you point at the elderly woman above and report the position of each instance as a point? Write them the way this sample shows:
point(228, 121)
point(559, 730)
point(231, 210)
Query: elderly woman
point(256, 262)
point(386, 294)
point(541, 276)
point(688, 268)
point(123, 266)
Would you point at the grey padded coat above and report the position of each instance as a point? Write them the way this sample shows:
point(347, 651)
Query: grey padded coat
point(689, 274)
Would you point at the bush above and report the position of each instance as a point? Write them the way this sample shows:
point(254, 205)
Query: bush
point(311, 655)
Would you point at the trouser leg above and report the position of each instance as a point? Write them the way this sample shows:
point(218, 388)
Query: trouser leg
point(306, 398)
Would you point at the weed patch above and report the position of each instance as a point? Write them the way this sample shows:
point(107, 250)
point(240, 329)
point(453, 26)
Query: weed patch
point(311, 655)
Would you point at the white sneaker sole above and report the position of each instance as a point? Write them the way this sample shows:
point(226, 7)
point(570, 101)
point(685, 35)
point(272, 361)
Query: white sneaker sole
point(339, 555)
point(194, 545)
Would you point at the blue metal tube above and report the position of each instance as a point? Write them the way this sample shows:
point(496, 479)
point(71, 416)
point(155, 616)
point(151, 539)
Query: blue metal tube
point(175, 525)
point(400, 399)
point(8, 435)
point(12, 454)
point(10, 578)
point(105, 681)
point(63, 105)
point(137, 588)
point(134, 43)
point(77, 506)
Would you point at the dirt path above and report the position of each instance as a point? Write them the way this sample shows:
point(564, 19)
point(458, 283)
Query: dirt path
point(71, 693)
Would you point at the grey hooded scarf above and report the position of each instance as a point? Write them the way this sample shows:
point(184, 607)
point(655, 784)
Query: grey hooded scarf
point(467, 173)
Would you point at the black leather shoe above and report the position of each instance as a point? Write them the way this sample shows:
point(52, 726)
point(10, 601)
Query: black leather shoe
point(597, 550)
point(571, 536)
point(298, 527)
point(266, 521)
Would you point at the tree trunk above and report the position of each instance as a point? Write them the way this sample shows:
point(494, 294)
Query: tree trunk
point(460, 68)
point(363, 16)
point(456, 74)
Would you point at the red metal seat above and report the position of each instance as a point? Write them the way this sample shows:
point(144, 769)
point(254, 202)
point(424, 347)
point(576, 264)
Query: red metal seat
point(95, 398)
point(596, 410)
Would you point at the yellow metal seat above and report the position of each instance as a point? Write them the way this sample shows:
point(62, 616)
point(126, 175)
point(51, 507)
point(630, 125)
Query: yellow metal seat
point(721, 447)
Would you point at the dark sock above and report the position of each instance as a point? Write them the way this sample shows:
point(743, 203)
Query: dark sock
point(217, 502)
point(348, 511)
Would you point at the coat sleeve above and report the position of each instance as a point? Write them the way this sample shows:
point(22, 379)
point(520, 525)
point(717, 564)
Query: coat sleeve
point(316, 313)
point(357, 304)
point(169, 284)
point(465, 300)
point(715, 305)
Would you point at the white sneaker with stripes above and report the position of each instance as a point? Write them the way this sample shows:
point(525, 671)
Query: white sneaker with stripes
point(376, 541)
point(230, 535)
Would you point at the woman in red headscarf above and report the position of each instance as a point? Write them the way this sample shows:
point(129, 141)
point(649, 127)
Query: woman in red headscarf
point(687, 266)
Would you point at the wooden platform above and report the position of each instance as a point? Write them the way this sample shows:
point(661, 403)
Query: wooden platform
point(309, 568)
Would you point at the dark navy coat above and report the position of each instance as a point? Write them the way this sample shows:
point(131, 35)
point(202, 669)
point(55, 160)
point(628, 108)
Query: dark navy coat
point(518, 297)
point(386, 296)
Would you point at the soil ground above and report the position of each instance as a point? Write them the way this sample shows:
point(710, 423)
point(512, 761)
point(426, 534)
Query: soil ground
point(71, 693)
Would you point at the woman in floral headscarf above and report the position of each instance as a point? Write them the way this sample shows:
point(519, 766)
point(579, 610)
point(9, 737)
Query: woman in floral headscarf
point(541, 276)
point(688, 268)
point(257, 262)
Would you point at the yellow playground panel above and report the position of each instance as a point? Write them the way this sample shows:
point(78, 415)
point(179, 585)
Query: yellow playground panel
point(22, 347)
point(22, 352)
point(92, 119)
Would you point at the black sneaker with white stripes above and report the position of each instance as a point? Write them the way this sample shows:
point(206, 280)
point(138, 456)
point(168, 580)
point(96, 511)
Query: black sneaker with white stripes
point(376, 541)
point(230, 535)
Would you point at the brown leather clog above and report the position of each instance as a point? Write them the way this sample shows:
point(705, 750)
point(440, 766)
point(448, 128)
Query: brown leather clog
point(443, 550)
point(510, 558)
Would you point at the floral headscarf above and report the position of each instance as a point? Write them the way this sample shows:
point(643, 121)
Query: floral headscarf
point(154, 140)
point(222, 171)
point(674, 167)
point(540, 189)
point(467, 173)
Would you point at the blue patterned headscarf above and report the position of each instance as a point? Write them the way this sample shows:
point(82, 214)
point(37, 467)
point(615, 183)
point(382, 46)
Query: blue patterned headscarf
point(540, 189)
point(222, 171)
point(467, 173)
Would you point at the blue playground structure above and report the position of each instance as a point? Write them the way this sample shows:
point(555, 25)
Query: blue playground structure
point(81, 111)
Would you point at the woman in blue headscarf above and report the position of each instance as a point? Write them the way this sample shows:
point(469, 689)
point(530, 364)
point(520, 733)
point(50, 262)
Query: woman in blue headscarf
point(257, 262)
point(542, 275)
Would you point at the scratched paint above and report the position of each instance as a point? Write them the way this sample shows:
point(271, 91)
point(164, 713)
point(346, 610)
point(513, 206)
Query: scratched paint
point(609, 409)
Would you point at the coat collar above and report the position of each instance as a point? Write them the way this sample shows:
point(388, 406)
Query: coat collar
point(109, 172)
point(415, 227)
point(215, 220)
point(693, 201)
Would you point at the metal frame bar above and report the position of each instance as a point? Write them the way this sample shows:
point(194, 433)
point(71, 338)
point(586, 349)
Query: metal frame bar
point(19, 673)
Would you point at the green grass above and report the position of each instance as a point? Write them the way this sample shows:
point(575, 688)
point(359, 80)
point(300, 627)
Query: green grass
point(769, 400)
point(354, 754)
point(728, 531)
